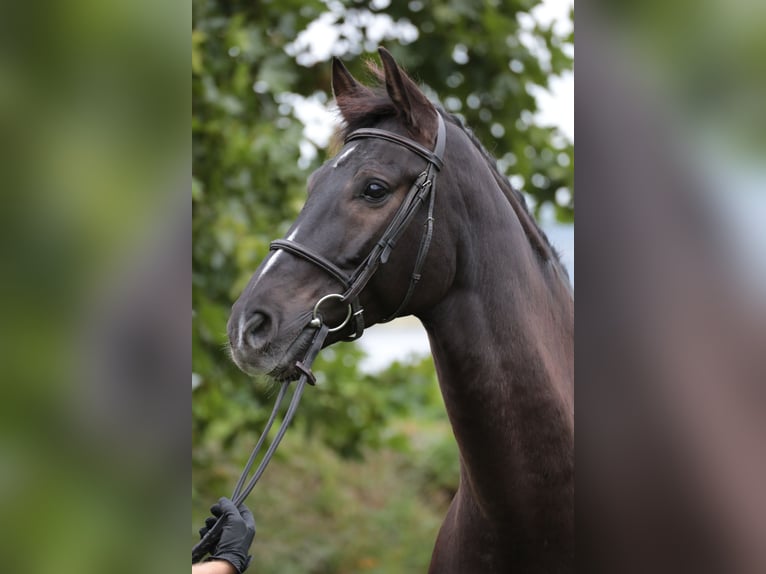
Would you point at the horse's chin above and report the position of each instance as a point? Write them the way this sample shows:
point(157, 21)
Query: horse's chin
point(276, 364)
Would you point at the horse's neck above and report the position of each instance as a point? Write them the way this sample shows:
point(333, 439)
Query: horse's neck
point(502, 344)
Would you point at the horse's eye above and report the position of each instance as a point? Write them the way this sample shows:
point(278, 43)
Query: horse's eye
point(375, 191)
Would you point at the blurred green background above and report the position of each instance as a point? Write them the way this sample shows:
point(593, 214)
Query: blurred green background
point(95, 147)
point(362, 481)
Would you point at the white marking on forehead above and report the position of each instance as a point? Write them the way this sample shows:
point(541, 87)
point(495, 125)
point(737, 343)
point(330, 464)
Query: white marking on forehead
point(343, 156)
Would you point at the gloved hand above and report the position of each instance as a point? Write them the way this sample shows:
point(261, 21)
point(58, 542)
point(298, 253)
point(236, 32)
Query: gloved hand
point(237, 534)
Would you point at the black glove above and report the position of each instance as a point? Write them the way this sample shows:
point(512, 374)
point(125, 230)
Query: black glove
point(237, 534)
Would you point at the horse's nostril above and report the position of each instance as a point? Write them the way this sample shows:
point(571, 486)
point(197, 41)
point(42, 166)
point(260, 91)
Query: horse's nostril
point(255, 328)
point(256, 320)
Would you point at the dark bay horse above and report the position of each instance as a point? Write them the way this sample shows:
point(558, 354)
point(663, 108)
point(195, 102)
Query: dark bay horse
point(472, 265)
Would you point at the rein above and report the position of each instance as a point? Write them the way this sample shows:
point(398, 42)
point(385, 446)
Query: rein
point(423, 188)
point(241, 492)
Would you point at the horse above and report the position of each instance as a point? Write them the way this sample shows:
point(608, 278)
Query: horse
point(413, 217)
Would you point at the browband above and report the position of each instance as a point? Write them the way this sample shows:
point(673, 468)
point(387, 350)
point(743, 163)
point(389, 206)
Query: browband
point(435, 157)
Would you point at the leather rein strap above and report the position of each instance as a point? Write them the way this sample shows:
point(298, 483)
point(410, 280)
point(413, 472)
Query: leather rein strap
point(423, 188)
point(241, 491)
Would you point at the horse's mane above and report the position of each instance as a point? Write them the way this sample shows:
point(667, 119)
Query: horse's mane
point(514, 196)
point(371, 105)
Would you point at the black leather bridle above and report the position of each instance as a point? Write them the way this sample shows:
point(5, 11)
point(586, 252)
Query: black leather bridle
point(423, 188)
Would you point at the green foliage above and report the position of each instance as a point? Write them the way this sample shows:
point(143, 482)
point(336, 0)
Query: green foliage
point(362, 482)
point(371, 462)
point(319, 513)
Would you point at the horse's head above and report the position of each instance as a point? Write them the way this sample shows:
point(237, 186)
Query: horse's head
point(334, 246)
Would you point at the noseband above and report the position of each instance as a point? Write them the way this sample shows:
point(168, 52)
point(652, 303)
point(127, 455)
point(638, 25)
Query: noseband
point(423, 188)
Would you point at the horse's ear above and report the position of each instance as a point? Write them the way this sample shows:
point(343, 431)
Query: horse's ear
point(411, 102)
point(342, 80)
point(344, 85)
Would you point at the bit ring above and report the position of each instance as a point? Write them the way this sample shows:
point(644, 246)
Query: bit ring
point(316, 320)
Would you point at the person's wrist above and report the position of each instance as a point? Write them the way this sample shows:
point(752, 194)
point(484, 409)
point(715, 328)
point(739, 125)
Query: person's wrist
point(214, 566)
point(237, 562)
